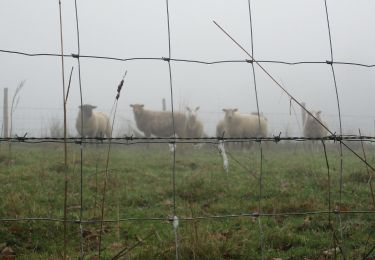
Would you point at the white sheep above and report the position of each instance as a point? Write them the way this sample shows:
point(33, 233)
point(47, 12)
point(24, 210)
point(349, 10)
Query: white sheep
point(238, 125)
point(194, 127)
point(95, 124)
point(220, 128)
point(159, 123)
point(311, 127)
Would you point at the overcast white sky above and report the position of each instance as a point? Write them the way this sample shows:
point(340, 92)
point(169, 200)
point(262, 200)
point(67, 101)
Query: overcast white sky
point(288, 30)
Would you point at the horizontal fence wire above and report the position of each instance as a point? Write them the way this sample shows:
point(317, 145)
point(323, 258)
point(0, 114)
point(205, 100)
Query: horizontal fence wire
point(187, 60)
point(209, 140)
point(170, 219)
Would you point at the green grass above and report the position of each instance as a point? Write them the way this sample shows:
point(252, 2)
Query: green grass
point(294, 180)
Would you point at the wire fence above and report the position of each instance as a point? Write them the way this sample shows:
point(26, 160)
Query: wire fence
point(339, 138)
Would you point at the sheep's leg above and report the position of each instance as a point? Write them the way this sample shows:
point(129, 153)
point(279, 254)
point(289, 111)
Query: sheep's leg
point(99, 139)
point(91, 137)
point(147, 135)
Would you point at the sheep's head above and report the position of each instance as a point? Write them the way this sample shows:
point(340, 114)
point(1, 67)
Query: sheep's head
point(192, 114)
point(137, 108)
point(229, 113)
point(316, 114)
point(87, 110)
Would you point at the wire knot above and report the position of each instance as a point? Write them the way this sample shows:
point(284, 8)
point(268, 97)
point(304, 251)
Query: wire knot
point(329, 62)
point(129, 138)
point(336, 138)
point(100, 138)
point(249, 61)
point(166, 59)
point(75, 55)
point(277, 138)
point(21, 138)
point(221, 138)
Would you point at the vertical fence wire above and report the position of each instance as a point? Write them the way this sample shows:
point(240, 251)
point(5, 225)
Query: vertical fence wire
point(81, 144)
point(339, 115)
point(175, 219)
point(260, 143)
point(65, 129)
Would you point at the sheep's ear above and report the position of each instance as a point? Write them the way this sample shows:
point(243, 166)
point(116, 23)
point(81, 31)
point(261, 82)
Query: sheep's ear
point(319, 112)
point(225, 110)
point(142, 105)
point(188, 109)
point(235, 110)
point(131, 105)
point(197, 108)
point(93, 107)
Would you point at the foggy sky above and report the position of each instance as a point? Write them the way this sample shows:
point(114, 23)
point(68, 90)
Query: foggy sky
point(289, 30)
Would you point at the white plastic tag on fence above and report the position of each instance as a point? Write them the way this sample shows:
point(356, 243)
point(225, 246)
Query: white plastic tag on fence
point(172, 147)
point(224, 155)
point(175, 222)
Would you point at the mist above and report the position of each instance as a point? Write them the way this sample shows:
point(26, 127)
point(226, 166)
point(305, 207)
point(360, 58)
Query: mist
point(288, 31)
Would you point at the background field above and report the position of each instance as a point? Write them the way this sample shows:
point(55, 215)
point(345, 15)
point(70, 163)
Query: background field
point(139, 202)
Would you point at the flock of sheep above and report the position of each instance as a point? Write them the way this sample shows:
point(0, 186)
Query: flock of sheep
point(187, 125)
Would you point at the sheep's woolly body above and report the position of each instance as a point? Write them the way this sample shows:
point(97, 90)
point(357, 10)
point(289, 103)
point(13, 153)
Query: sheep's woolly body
point(95, 124)
point(220, 128)
point(238, 125)
point(194, 130)
point(194, 127)
point(159, 123)
point(311, 127)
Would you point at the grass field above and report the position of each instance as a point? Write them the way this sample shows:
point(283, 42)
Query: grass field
point(294, 180)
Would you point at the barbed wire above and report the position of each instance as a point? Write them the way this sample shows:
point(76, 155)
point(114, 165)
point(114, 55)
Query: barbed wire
point(157, 140)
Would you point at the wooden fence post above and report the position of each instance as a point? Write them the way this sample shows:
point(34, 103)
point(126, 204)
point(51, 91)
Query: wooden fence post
point(164, 105)
point(5, 114)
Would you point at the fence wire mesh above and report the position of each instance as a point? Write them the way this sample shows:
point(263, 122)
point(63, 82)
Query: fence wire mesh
point(174, 218)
